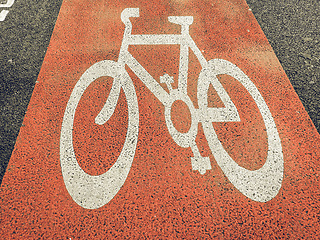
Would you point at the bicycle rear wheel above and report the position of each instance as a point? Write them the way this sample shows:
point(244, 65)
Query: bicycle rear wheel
point(259, 185)
point(89, 191)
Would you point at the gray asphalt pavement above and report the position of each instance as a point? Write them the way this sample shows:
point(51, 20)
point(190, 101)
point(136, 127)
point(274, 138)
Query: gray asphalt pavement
point(292, 28)
point(24, 37)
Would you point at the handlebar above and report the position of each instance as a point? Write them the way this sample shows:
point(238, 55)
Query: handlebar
point(134, 12)
point(127, 13)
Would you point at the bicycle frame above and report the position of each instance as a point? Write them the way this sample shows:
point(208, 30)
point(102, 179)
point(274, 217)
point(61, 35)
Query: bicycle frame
point(95, 191)
point(227, 113)
point(184, 40)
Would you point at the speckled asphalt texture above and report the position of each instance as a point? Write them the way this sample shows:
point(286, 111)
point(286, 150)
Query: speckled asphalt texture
point(292, 29)
point(163, 196)
point(24, 38)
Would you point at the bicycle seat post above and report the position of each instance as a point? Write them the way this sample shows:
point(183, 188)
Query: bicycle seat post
point(125, 15)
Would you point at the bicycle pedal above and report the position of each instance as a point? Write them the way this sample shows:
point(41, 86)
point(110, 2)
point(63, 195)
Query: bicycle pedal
point(201, 164)
point(168, 80)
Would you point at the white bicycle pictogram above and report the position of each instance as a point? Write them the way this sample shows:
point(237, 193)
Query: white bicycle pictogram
point(93, 192)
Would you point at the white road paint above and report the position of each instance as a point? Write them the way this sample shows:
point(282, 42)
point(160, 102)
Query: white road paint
point(260, 185)
point(95, 191)
point(4, 13)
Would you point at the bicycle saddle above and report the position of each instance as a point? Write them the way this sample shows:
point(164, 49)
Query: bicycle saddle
point(181, 20)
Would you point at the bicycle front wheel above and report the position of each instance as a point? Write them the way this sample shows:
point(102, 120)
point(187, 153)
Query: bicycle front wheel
point(259, 185)
point(89, 191)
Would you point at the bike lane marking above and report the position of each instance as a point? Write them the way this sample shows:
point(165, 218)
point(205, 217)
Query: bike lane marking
point(162, 195)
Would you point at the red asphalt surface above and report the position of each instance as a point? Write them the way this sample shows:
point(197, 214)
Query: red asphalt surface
point(162, 196)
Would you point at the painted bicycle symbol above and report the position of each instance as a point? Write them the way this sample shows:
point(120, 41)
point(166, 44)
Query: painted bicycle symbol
point(95, 191)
